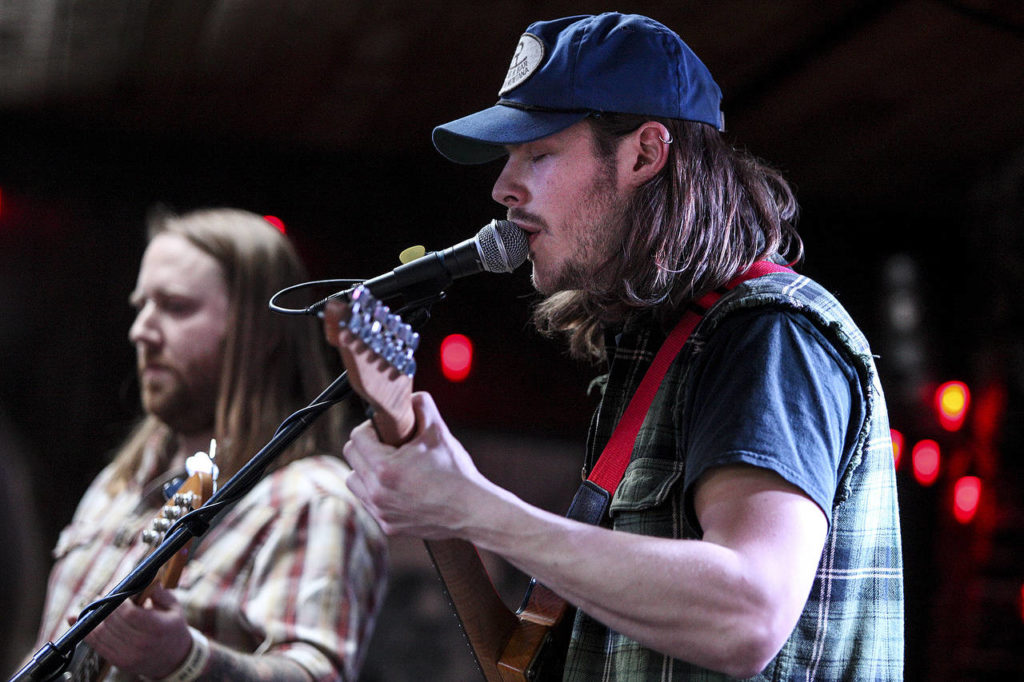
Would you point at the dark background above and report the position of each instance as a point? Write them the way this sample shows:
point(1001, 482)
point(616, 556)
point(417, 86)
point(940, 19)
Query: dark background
point(899, 124)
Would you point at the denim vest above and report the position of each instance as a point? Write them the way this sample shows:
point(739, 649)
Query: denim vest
point(851, 627)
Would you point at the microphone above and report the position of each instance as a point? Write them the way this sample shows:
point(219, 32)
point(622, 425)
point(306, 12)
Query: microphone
point(499, 246)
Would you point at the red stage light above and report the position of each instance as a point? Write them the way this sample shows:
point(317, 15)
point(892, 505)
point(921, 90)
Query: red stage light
point(966, 496)
point(926, 458)
point(951, 402)
point(897, 447)
point(1022, 602)
point(456, 357)
point(276, 222)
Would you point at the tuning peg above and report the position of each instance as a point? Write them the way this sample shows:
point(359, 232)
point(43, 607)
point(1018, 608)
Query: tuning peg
point(360, 294)
point(375, 340)
point(173, 512)
point(410, 365)
point(184, 499)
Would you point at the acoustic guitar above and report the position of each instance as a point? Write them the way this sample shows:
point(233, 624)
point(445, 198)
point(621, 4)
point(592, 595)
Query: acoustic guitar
point(87, 665)
point(509, 646)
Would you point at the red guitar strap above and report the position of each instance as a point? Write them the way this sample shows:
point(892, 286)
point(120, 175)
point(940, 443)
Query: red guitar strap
point(593, 497)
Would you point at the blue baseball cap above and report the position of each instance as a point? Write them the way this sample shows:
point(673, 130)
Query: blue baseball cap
point(566, 69)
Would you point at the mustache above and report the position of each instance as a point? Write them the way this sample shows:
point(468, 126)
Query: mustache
point(525, 216)
point(153, 361)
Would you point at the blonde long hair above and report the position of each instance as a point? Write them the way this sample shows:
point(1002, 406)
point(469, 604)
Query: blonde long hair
point(273, 365)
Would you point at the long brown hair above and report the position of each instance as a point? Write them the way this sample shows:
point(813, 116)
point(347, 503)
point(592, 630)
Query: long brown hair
point(273, 365)
point(707, 216)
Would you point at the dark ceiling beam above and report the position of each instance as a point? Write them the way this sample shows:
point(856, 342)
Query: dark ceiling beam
point(749, 95)
point(985, 17)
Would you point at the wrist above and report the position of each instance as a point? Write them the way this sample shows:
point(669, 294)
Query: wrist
point(195, 662)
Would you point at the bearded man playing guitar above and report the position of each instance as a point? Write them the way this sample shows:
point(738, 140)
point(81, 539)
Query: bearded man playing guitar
point(755, 530)
point(286, 585)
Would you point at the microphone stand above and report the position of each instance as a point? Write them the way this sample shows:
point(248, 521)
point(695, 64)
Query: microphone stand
point(53, 657)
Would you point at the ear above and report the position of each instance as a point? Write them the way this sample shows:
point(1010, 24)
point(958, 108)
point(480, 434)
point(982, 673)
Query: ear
point(647, 148)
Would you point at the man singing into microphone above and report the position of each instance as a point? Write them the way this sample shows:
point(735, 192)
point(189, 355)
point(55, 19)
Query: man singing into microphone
point(754, 532)
point(286, 585)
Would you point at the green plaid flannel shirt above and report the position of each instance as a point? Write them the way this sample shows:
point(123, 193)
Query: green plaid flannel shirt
point(852, 625)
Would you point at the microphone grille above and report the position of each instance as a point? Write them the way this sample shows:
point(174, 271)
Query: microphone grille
point(503, 246)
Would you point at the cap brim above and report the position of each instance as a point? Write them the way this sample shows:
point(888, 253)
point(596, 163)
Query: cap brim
point(481, 137)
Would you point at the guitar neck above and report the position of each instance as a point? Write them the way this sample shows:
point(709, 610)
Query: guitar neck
point(391, 429)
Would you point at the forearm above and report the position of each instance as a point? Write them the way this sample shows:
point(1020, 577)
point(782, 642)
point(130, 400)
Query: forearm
point(693, 600)
point(228, 665)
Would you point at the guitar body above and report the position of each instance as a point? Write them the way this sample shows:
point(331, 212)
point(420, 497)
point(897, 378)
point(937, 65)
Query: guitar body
point(535, 651)
point(524, 646)
point(86, 665)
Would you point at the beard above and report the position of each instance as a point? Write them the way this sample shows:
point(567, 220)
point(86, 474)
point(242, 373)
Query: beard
point(185, 406)
point(596, 225)
point(587, 270)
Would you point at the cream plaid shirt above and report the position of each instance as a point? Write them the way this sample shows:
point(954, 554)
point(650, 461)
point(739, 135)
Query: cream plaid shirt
point(297, 568)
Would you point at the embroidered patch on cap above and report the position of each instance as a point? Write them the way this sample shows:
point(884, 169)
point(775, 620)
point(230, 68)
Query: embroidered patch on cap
point(527, 59)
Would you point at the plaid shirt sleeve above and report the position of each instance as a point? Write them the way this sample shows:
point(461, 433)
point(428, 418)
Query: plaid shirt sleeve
point(297, 570)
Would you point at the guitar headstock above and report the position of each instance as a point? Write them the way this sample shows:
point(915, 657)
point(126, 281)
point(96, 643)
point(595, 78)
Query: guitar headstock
point(190, 495)
point(383, 331)
point(377, 348)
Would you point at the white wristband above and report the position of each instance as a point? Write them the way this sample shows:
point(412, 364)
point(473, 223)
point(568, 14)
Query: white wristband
point(196, 660)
